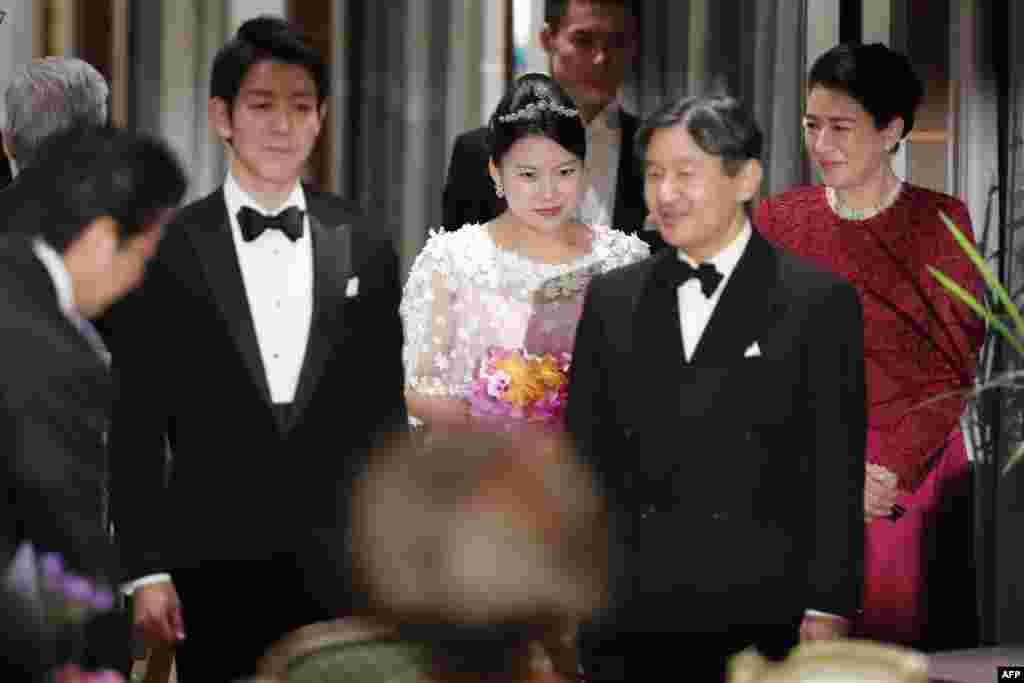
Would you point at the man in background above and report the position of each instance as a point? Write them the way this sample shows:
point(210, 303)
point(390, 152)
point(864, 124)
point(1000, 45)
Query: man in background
point(590, 45)
point(44, 97)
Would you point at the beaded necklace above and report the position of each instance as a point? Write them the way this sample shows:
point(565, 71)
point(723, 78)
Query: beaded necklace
point(849, 214)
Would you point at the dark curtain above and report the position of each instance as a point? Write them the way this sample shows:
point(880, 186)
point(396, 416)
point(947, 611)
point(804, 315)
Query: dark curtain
point(747, 48)
point(394, 133)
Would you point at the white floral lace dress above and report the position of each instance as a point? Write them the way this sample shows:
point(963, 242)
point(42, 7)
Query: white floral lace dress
point(465, 296)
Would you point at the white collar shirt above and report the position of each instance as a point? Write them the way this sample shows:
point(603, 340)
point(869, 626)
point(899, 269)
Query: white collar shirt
point(695, 309)
point(278, 278)
point(604, 147)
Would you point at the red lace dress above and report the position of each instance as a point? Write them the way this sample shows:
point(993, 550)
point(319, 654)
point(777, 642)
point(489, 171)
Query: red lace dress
point(920, 343)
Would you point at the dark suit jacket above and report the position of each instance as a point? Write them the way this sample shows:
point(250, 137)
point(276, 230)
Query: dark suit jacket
point(242, 484)
point(55, 401)
point(10, 201)
point(469, 193)
point(738, 481)
point(26, 642)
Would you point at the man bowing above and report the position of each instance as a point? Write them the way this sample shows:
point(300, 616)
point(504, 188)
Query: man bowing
point(718, 389)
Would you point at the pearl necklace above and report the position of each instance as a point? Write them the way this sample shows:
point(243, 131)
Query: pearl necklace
point(849, 214)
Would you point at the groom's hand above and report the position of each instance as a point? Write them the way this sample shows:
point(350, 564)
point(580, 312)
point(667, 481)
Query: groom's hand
point(157, 614)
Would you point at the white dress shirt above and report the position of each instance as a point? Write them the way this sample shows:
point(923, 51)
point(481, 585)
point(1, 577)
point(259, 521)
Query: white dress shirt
point(59, 274)
point(695, 309)
point(278, 278)
point(604, 144)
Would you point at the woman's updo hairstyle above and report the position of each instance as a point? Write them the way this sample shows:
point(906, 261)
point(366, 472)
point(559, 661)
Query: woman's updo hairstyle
point(536, 105)
point(881, 80)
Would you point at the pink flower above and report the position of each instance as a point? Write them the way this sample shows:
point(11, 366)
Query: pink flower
point(498, 384)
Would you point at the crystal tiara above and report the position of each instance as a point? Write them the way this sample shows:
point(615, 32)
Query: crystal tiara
point(533, 109)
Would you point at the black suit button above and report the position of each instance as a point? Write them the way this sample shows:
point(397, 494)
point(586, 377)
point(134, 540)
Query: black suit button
point(749, 435)
point(627, 432)
point(720, 516)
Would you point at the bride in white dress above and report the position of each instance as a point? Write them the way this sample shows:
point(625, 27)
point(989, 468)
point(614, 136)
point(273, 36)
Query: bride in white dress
point(490, 311)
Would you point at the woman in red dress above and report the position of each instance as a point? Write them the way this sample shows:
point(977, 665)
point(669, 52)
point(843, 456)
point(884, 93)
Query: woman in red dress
point(920, 343)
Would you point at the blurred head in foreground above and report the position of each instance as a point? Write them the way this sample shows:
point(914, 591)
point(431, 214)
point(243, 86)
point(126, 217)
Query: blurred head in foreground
point(481, 543)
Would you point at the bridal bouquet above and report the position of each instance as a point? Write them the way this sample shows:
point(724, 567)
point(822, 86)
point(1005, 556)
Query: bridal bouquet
point(515, 384)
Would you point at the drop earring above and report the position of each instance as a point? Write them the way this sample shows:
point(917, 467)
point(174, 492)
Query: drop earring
point(498, 189)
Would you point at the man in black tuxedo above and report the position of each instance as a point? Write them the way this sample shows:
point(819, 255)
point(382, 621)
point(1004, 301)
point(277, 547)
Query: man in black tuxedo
point(44, 97)
point(718, 388)
point(266, 352)
point(590, 44)
point(96, 211)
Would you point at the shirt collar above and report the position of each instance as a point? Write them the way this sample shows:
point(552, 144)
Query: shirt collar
point(725, 261)
point(235, 198)
point(59, 274)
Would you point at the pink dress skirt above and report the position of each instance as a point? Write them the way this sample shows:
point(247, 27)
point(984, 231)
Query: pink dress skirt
point(896, 552)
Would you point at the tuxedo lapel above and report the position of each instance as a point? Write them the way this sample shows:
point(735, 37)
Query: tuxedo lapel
point(215, 250)
point(746, 308)
point(656, 339)
point(332, 267)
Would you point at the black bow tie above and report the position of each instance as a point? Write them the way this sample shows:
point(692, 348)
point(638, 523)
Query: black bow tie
point(253, 223)
point(675, 271)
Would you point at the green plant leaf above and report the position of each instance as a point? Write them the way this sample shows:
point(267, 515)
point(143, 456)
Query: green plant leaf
point(965, 296)
point(1014, 459)
point(990, 278)
point(1015, 338)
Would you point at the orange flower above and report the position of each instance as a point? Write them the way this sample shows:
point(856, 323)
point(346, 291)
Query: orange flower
point(549, 373)
point(524, 387)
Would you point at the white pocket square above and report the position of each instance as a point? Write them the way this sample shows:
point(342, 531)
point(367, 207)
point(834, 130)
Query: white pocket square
point(352, 288)
point(752, 351)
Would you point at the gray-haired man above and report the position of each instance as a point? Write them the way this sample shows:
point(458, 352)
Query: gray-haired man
point(44, 97)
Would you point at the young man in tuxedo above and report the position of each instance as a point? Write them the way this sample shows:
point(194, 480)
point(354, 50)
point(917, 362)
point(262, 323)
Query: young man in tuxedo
point(93, 217)
point(718, 388)
point(590, 45)
point(272, 359)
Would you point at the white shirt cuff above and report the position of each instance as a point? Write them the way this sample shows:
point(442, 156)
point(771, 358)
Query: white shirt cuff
point(826, 615)
point(131, 586)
